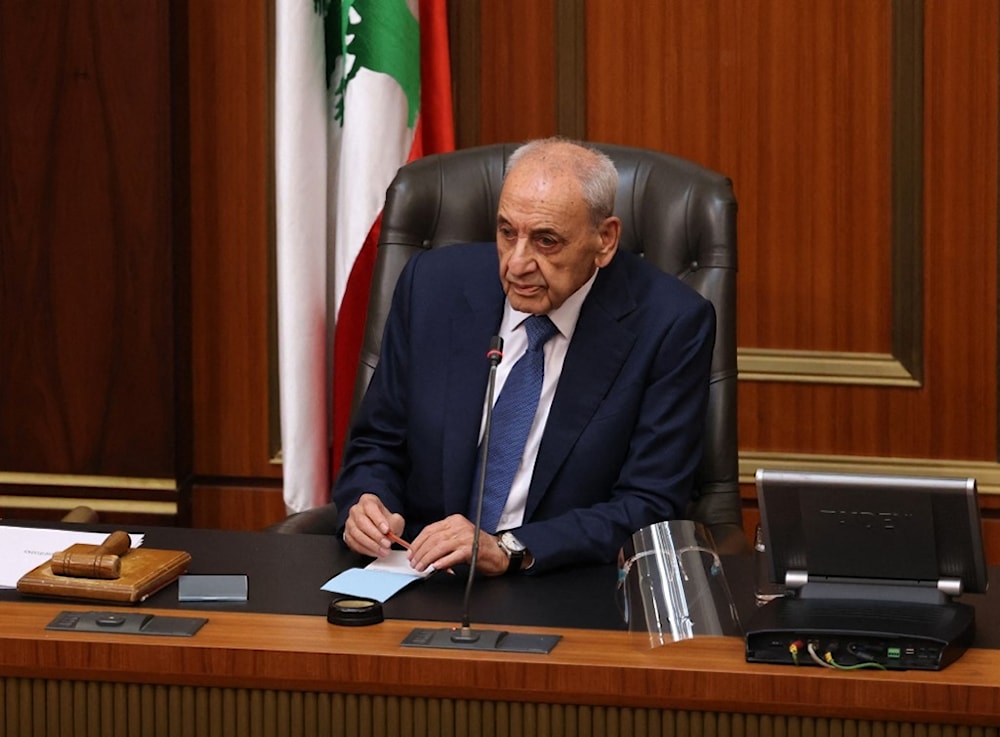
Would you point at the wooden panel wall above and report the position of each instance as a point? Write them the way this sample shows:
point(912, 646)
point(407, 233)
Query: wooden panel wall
point(232, 217)
point(94, 387)
point(796, 102)
point(517, 84)
point(135, 341)
point(235, 422)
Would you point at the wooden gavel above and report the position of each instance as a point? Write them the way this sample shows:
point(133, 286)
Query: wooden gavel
point(93, 561)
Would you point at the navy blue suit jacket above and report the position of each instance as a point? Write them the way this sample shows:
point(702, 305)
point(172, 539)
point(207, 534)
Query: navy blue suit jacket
point(623, 438)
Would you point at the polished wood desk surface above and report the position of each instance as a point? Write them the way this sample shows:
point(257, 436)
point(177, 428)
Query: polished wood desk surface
point(598, 666)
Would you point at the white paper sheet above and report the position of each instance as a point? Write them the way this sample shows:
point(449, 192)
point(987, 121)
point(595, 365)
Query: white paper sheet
point(25, 548)
point(379, 580)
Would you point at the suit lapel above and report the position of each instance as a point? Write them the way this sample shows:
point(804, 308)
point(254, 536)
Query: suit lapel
point(599, 348)
point(468, 340)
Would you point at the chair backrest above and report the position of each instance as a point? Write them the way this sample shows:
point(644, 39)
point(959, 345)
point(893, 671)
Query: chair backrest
point(678, 215)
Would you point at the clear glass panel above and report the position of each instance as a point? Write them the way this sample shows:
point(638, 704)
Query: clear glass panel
point(672, 585)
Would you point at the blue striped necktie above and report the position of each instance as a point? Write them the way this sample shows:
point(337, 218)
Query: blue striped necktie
point(513, 414)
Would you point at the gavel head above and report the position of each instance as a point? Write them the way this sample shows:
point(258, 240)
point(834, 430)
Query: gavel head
point(86, 565)
point(93, 561)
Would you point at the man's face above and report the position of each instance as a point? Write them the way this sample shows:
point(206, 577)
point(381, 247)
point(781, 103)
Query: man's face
point(547, 244)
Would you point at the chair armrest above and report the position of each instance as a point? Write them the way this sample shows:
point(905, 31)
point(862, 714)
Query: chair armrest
point(81, 515)
point(730, 539)
point(316, 521)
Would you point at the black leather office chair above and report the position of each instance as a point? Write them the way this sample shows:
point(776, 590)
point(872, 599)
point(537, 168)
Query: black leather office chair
point(679, 216)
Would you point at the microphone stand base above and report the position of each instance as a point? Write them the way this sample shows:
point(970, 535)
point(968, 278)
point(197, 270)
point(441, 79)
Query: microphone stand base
point(466, 638)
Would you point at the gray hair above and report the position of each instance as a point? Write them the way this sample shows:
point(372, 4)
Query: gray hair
point(594, 170)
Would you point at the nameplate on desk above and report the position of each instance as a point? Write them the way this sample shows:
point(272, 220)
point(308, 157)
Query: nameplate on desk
point(481, 640)
point(120, 623)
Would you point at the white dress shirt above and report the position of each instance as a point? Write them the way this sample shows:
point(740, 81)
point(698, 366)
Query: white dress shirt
point(515, 344)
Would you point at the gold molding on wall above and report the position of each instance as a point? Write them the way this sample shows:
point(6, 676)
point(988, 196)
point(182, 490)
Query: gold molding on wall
point(88, 482)
point(823, 367)
point(130, 506)
point(986, 473)
point(907, 186)
point(904, 366)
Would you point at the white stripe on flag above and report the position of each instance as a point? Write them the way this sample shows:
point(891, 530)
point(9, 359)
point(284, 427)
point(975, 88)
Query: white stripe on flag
point(301, 193)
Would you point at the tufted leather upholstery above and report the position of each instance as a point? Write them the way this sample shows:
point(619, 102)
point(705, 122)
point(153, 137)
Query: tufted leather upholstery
point(678, 215)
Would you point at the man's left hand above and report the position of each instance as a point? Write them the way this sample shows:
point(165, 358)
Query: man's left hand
point(449, 542)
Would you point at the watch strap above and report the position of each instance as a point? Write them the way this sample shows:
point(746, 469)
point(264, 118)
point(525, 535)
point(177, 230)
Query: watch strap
point(516, 557)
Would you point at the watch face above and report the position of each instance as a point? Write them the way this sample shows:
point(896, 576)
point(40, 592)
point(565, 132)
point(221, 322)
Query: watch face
point(511, 543)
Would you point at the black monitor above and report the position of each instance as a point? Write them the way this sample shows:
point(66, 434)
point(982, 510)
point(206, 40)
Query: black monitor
point(872, 528)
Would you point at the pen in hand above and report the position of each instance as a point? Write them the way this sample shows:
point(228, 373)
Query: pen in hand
point(397, 539)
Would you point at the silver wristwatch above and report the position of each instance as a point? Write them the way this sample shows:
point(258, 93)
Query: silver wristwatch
point(514, 549)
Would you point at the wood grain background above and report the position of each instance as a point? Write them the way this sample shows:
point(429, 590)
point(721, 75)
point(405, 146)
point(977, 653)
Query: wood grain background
point(136, 313)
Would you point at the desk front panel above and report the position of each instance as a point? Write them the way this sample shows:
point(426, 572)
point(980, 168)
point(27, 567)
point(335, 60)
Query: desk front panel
point(306, 669)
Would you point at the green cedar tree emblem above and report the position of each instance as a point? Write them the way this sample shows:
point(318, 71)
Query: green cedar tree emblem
point(380, 35)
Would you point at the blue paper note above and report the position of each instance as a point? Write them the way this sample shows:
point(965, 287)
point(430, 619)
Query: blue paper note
point(379, 581)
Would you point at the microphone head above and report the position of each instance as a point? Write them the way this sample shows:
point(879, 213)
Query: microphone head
point(495, 353)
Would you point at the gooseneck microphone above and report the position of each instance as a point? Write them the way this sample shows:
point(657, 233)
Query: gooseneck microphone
point(465, 637)
point(495, 355)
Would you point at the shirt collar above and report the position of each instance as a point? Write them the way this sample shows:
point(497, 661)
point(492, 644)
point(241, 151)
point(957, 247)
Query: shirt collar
point(564, 317)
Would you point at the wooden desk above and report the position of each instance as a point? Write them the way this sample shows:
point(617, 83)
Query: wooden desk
point(290, 674)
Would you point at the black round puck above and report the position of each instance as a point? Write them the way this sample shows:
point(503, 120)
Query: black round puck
point(354, 612)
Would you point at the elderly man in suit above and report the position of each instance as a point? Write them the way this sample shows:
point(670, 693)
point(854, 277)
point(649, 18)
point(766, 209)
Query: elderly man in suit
point(618, 357)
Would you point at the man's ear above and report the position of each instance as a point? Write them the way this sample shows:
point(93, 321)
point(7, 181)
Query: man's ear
point(610, 232)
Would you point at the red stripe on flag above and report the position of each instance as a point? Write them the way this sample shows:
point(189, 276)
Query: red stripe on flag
point(436, 126)
point(347, 339)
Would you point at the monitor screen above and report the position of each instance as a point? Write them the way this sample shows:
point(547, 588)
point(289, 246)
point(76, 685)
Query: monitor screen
point(869, 527)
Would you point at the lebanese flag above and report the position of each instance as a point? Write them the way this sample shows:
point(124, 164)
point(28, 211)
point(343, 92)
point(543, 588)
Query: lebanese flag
point(356, 98)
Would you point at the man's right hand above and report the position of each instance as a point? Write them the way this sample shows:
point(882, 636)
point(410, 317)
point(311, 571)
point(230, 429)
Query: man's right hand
point(368, 524)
